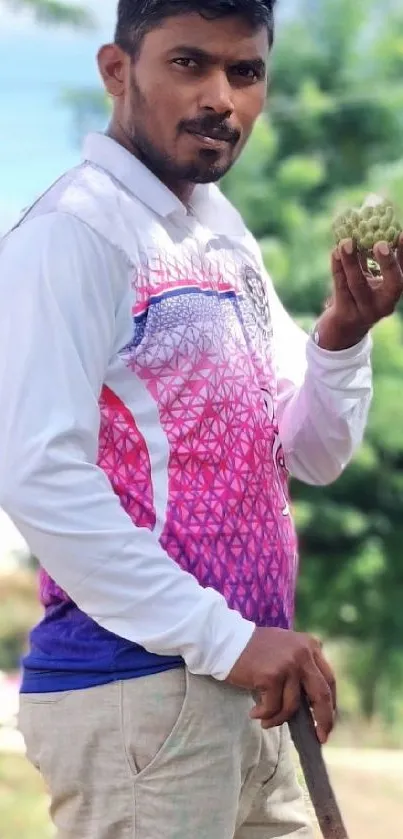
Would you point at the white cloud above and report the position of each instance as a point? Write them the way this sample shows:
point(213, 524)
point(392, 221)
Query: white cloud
point(104, 14)
point(10, 20)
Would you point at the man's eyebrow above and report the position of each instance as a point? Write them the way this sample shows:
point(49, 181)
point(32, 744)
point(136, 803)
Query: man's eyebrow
point(207, 57)
point(192, 52)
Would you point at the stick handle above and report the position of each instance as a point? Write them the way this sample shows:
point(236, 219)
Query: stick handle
point(327, 811)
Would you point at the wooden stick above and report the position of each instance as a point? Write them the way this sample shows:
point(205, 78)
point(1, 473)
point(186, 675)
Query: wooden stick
point(321, 792)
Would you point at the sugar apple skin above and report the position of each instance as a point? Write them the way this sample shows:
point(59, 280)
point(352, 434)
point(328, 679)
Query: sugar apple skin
point(368, 226)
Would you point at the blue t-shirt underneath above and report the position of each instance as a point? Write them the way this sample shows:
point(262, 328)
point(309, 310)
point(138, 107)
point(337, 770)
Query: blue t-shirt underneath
point(70, 651)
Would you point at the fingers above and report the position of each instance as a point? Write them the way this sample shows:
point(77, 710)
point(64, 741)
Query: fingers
point(342, 292)
point(356, 280)
point(372, 274)
point(400, 251)
point(374, 298)
point(291, 702)
point(320, 699)
point(270, 701)
point(328, 675)
point(288, 705)
point(319, 685)
point(278, 664)
point(390, 290)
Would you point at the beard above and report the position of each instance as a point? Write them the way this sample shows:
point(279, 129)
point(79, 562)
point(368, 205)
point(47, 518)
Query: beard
point(205, 167)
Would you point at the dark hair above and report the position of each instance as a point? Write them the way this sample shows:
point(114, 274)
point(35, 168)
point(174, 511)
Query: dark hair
point(137, 17)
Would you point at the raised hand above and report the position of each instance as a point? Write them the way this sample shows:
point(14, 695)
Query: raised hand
point(360, 300)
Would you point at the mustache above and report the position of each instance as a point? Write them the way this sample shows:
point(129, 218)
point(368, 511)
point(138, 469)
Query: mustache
point(211, 126)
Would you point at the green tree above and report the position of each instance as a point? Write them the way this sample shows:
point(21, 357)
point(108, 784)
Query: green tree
point(333, 132)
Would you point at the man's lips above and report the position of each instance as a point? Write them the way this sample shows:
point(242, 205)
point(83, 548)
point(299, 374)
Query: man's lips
point(214, 136)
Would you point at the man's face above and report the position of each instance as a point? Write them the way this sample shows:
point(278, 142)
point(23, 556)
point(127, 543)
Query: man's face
point(192, 95)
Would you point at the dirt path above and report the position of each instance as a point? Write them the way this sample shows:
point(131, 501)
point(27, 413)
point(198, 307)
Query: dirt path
point(369, 786)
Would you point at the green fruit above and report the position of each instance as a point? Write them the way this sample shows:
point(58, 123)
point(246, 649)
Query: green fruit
point(392, 235)
point(342, 233)
point(367, 242)
point(369, 225)
point(362, 229)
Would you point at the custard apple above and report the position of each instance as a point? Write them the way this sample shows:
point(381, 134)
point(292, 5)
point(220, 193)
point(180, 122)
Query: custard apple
point(374, 222)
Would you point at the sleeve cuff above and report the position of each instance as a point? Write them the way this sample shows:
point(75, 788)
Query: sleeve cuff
point(331, 359)
point(220, 637)
point(233, 650)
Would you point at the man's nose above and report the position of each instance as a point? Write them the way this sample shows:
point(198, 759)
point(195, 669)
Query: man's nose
point(217, 94)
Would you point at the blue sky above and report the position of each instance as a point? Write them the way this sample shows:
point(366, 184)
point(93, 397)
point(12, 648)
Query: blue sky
point(36, 65)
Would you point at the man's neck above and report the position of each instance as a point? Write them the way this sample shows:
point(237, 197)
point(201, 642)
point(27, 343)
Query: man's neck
point(182, 189)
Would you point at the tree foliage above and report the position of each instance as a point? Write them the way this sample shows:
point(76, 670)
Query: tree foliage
point(334, 132)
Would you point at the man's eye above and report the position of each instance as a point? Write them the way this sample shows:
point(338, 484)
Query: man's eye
point(185, 62)
point(249, 73)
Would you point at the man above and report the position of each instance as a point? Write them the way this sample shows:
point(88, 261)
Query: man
point(154, 396)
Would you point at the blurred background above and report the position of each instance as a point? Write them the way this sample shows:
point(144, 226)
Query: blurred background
point(333, 132)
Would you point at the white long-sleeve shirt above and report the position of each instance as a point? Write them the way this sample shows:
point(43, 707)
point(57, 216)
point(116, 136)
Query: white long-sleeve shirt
point(152, 392)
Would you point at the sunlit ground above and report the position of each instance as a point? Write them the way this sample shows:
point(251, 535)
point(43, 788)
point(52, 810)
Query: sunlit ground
point(369, 785)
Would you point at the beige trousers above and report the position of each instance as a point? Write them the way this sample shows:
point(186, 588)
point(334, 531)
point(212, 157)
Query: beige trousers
point(169, 756)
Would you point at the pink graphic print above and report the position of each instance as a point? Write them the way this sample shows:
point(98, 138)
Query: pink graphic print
point(199, 349)
point(123, 455)
point(158, 274)
point(227, 520)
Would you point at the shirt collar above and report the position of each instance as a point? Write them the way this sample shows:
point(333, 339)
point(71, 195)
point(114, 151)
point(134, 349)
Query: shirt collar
point(109, 155)
point(207, 203)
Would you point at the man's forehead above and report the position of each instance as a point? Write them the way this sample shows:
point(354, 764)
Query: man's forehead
point(230, 35)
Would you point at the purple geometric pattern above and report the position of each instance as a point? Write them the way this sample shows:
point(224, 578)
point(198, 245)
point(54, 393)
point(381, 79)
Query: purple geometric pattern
point(207, 361)
point(227, 519)
point(123, 456)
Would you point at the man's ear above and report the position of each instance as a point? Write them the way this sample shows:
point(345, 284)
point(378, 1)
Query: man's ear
point(112, 61)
